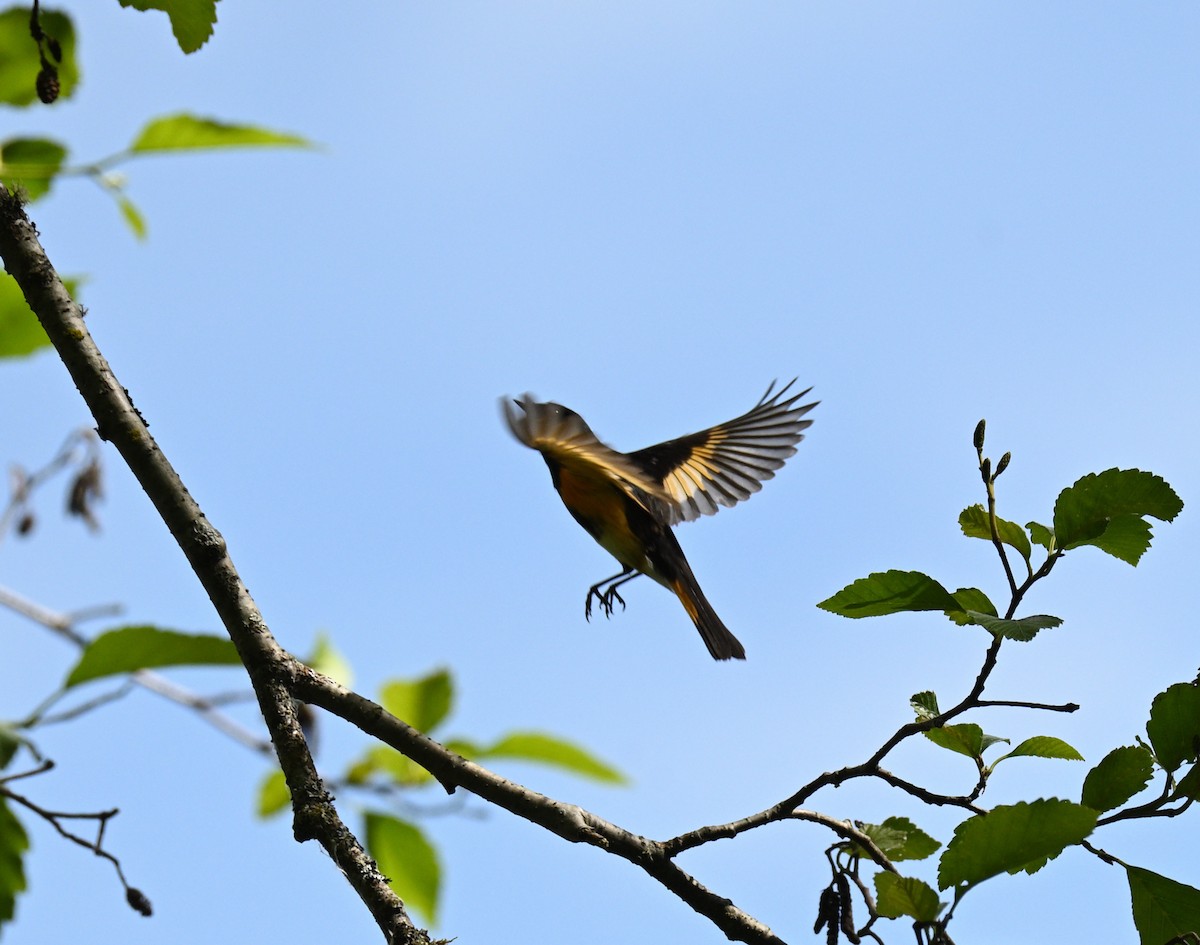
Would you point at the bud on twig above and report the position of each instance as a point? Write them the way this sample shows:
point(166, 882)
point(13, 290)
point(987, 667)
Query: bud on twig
point(979, 428)
point(1002, 465)
point(985, 470)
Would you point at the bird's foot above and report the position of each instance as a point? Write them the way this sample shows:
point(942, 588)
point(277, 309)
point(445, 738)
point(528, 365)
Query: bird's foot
point(607, 599)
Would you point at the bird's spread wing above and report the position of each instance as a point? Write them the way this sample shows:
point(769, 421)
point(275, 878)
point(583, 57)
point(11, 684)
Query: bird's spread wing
point(560, 434)
point(729, 462)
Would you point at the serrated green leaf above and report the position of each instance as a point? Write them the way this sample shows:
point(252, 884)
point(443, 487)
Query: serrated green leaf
point(973, 521)
point(408, 860)
point(1188, 785)
point(19, 64)
point(1104, 510)
point(128, 649)
point(423, 703)
point(1121, 774)
point(1022, 629)
point(1041, 535)
point(328, 660)
point(555, 752)
point(970, 599)
point(989, 740)
point(185, 132)
point(1044, 746)
point(889, 592)
point(1174, 726)
point(13, 844)
point(273, 794)
point(900, 839)
point(1010, 838)
point(31, 164)
point(1163, 910)
point(896, 896)
point(1127, 537)
point(925, 705)
point(192, 21)
point(966, 739)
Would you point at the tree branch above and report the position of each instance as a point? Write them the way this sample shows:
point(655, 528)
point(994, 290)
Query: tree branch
point(119, 422)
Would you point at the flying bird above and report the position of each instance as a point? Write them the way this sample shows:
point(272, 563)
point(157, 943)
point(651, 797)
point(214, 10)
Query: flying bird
point(629, 502)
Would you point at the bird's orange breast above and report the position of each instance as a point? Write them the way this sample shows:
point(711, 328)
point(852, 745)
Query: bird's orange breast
point(601, 507)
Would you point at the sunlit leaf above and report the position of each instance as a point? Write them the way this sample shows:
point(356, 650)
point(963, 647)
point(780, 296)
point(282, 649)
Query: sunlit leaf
point(1121, 774)
point(31, 164)
point(556, 752)
point(966, 739)
point(974, 523)
point(407, 859)
point(1163, 909)
point(1022, 629)
point(1174, 726)
point(185, 132)
point(273, 794)
point(890, 592)
point(192, 21)
point(1044, 746)
point(423, 703)
point(1106, 510)
point(1009, 838)
point(13, 844)
point(902, 895)
point(328, 660)
point(900, 839)
point(128, 649)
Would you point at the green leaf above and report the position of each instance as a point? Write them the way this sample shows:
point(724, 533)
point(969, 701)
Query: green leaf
point(900, 839)
point(1163, 910)
point(31, 164)
point(1174, 726)
point(21, 333)
point(1106, 509)
point(132, 216)
point(273, 794)
point(13, 844)
point(1121, 774)
point(970, 599)
point(1041, 535)
point(902, 895)
point(185, 132)
point(1188, 785)
point(128, 649)
point(555, 752)
point(890, 592)
point(10, 741)
point(192, 21)
point(19, 64)
point(925, 704)
point(1022, 630)
point(397, 769)
point(1043, 746)
point(974, 524)
point(1009, 838)
point(423, 703)
point(965, 739)
point(328, 660)
point(408, 860)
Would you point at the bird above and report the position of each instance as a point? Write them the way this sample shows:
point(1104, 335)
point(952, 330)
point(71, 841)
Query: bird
point(630, 502)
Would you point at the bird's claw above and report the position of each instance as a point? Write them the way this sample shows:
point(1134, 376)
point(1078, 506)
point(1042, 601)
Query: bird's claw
point(607, 599)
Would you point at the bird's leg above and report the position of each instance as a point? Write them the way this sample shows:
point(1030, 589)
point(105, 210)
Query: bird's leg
point(609, 597)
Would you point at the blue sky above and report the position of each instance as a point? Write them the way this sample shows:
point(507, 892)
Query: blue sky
point(931, 213)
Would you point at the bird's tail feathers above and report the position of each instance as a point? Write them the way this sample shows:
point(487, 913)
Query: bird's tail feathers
point(722, 644)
